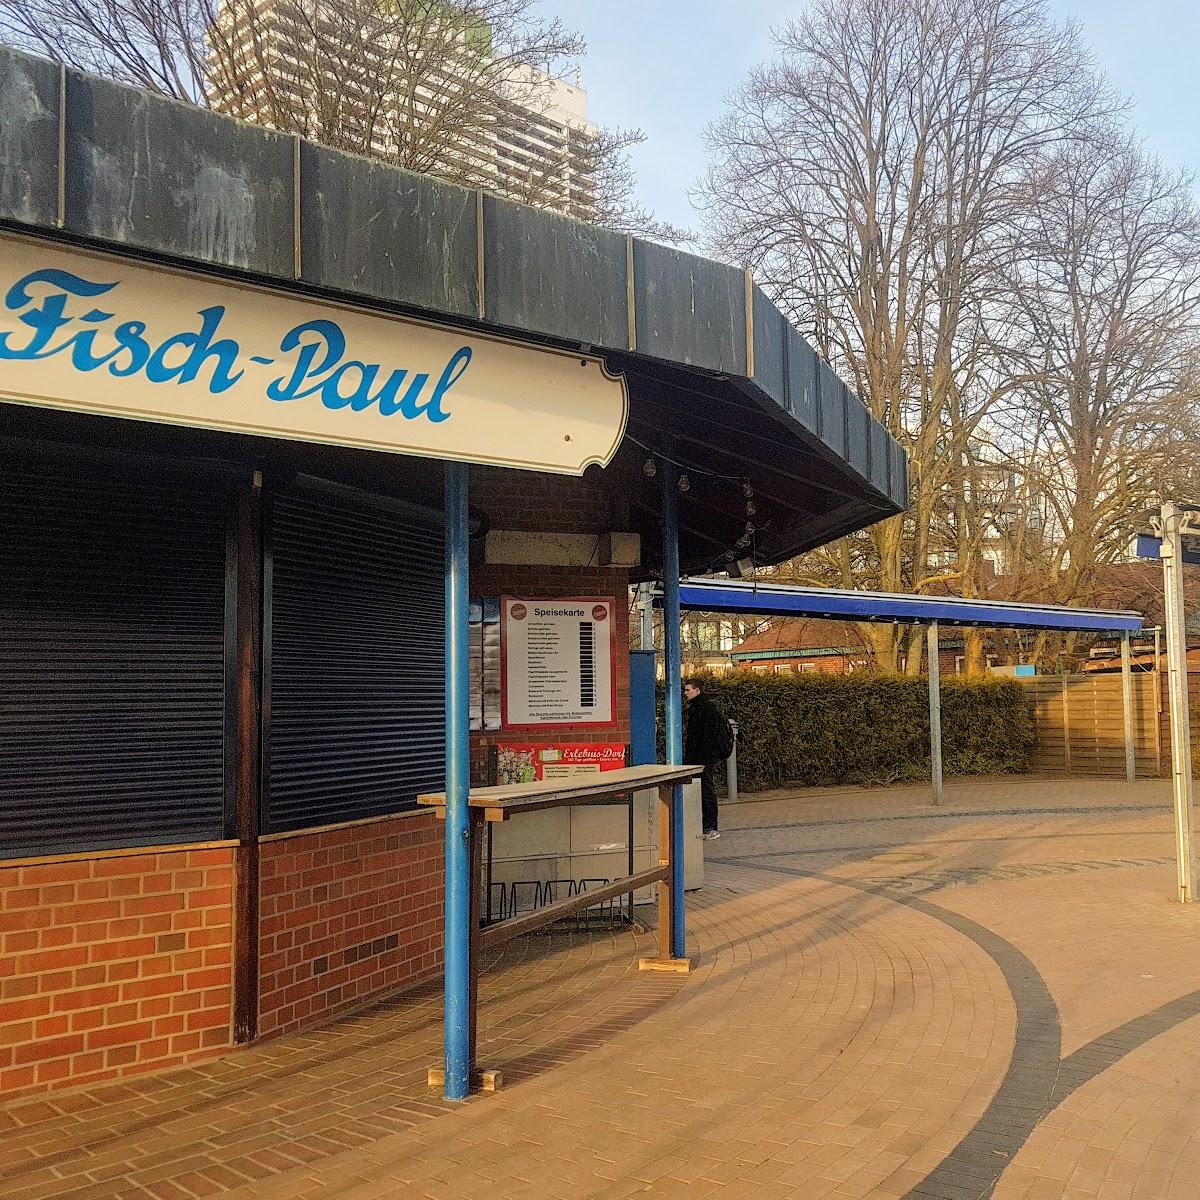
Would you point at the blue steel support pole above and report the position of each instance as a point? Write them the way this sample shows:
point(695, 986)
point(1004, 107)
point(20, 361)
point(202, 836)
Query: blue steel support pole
point(673, 691)
point(458, 778)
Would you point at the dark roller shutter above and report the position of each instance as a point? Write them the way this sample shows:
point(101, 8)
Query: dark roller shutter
point(356, 705)
point(112, 656)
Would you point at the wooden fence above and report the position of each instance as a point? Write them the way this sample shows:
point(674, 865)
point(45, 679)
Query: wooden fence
point(1080, 723)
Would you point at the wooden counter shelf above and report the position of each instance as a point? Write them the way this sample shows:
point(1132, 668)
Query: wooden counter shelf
point(506, 801)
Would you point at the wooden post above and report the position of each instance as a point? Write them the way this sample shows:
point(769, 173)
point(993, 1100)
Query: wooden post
point(664, 960)
point(1159, 708)
point(1066, 711)
point(247, 686)
point(477, 883)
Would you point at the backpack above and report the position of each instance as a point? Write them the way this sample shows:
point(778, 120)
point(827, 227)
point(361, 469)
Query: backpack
point(724, 738)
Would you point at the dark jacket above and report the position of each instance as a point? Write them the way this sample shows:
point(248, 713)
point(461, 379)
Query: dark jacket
point(703, 734)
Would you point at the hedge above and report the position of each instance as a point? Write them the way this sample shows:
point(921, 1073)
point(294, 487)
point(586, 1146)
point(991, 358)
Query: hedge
point(869, 728)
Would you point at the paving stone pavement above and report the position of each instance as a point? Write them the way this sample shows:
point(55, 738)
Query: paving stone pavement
point(994, 998)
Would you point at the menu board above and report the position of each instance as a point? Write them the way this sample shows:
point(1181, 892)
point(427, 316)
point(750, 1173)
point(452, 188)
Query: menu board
point(484, 652)
point(525, 762)
point(558, 662)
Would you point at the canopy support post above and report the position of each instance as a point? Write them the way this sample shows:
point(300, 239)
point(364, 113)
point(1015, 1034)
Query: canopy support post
point(1127, 706)
point(459, 884)
point(935, 710)
point(1181, 739)
point(673, 696)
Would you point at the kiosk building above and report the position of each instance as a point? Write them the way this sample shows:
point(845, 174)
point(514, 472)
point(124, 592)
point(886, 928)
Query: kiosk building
point(239, 376)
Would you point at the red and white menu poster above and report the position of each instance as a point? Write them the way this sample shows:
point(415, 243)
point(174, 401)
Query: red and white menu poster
point(558, 662)
point(527, 762)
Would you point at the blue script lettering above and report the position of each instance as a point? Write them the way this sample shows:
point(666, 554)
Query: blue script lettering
point(319, 370)
point(320, 367)
point(50, 318)
point(131, 352)
point(198, 348)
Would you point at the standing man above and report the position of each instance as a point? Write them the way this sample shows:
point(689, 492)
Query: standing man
point(708, 741)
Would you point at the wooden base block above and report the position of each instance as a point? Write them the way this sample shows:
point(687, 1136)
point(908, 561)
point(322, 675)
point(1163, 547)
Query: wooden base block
point(481, 1081)
point(681, 966)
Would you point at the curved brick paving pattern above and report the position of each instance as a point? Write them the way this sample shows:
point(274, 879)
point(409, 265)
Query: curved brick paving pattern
point(993, 999)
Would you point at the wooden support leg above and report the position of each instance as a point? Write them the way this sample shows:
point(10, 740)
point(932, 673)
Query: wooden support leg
point(476, 917)
point(663, 960)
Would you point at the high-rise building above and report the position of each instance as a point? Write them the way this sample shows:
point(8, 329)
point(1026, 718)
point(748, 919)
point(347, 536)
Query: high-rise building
point(544, 146)
point(337, 74)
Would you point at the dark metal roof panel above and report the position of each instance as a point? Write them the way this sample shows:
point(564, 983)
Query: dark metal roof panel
point(29, 99)
point(393, 235)
point(898, 473)
point(547, 273)
point(880, 458)
point(771, 331)
point(169, 177)
point(802, 366)
point(831, 401)
point(690, 310)
point(858, 433)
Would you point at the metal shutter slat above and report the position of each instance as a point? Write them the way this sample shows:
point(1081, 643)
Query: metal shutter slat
point(112, 657)
point(357, 701)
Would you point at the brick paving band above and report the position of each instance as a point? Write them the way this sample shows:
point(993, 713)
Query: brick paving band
point(1038, 1079)
point(1027, 1037)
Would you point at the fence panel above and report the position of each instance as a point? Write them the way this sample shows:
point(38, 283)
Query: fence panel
point(1080, 724)
point(1164, 716)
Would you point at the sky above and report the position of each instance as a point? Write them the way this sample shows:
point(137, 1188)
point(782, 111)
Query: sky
point(666, 66)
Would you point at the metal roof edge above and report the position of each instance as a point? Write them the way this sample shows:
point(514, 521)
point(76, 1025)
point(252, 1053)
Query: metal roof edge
point(723, 595)
point(307, 216)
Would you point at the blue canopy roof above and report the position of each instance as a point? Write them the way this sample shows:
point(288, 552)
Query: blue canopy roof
point(783, 600)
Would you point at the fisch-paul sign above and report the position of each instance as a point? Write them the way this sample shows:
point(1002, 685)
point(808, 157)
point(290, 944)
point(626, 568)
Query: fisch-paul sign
point(103, 335)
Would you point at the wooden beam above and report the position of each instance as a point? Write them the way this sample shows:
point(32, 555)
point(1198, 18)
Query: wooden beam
point(497, 935)
point(247, 682)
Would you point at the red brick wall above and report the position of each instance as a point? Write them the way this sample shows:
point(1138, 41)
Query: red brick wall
point(592, 503)
point(596, 502)
point(346, 916)
point(113, 965)
point(550, 582)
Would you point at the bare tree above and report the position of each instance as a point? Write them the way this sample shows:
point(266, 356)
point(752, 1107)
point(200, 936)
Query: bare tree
point(463, 89)
point(1108, 289)
point(871, 176)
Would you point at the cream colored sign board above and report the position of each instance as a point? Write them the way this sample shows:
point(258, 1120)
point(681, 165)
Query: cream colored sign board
point(103, 335)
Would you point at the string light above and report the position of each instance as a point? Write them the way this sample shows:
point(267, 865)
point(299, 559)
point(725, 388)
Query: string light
point(734, 558)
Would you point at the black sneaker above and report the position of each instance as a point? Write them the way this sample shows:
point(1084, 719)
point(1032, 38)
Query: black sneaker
point(711, 835)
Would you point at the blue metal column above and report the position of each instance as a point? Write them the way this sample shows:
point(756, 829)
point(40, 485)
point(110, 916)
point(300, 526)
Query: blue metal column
point(673, 692)
point(458, 780)
point(643, 725)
